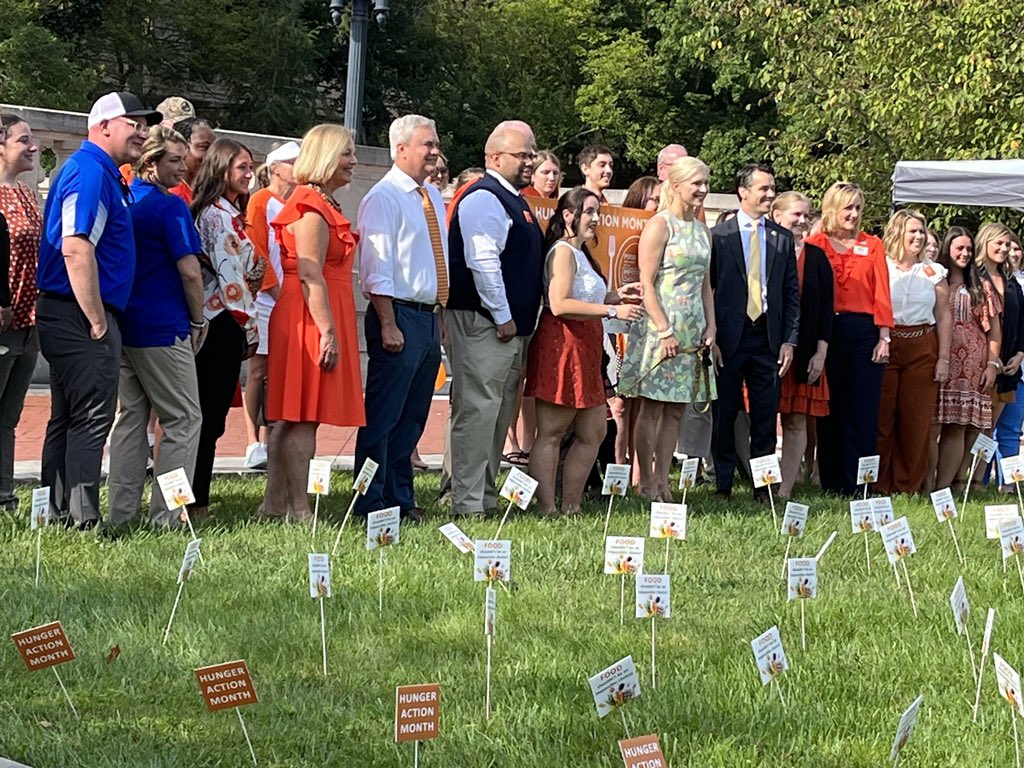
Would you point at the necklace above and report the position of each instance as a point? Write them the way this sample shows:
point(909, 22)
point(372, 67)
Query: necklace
point(327, 198)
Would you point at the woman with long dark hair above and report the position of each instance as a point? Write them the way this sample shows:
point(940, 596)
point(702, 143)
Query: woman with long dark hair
point(232, 275)
point(563, 369)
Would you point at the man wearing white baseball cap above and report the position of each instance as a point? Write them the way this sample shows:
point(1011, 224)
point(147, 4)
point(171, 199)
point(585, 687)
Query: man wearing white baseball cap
point(85, 273)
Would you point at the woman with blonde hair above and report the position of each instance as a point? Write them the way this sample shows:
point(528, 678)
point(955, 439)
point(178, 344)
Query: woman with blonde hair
point(859, 348)
point(667, 356)
point(313, 372)
point(804, 391)
point(918, 354)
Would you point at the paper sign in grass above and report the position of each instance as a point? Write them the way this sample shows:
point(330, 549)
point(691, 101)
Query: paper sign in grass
point(668, 521)
point(642, 752)
point(188, 562)
point(417, 712)
point(653, 596)
point(862, 520)
point(319, 479)
point(518, 488)
point(803, 578)
point(490, 611)
point(40, 514)
point(1012, 468)
point(492, 560)
point(615, 686)
point(176, 489)
point(765, 470)
point(44, 646)
point(898, 540)
point(944, 505)
point(623, 555)
point(1011, 537)
point(362, 482)
point(319, 575)
point(905, 729)
point(382, 528)
point(454, 534)
point(881, 510)
point(616, 479)
point(997, 514)
point(688, 473)
point(960, 606)
point(226, 686)
point(867, 469)
point(794, 521)
point(1009, 683)
point(769, 655)
point(984, 448)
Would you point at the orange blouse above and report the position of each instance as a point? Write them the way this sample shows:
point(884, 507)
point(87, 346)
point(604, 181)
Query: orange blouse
point(258, 228)
point(861, 277)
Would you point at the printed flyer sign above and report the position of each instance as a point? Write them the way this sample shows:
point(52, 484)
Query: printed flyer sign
point(225, 686)
point(862, 519)
point(984, 448)
point(40, 515)
point(492, 560)
point(688, 473)
point(867, 469)
point(417, 712)
point(176, 489)
point(518, 488)
point(642, 752)
point(319, 480)
point(1009, 683)
point(623, 555)
point(668, 521)
point(803, 578)
point(1011, 537)
point(898, 540)
point(996, 515)
point(1013, 468)
point(44, 646)
point(490, 611)
point(944, 505)
point(961, 608)
point(615, 686)
point(765, 470)
point(188, 562)
point(454, 534)
point(616, 480)
point(653, 596)
point(794, 521)
point(881, 509)
point(906, 727)
point(362, 482)
point(769, 655)
point(319, 575)
point(382, 528)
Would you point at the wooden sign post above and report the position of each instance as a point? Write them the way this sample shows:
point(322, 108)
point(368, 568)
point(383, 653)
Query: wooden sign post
point(46, 646)
point(228, 686)
point(417, 715)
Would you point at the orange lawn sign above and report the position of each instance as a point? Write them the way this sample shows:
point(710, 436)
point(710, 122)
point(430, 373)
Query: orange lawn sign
point(45, 646)
point(642, 752)
point(225, 686)
point(417, 712)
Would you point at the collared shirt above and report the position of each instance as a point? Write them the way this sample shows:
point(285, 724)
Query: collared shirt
point(261, 209)
point(89, 199)
point(396, 257)
point(746, 225)
point(234, 271)
point(485, 226)
point(861, 277)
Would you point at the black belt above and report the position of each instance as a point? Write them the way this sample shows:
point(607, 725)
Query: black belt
point(432, 308)
point(72, 300)
point(761, 321)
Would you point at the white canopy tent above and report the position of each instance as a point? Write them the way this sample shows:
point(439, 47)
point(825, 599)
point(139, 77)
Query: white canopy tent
point(998, 183)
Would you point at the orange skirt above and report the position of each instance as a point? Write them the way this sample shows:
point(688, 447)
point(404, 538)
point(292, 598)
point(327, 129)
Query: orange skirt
point(804, 398)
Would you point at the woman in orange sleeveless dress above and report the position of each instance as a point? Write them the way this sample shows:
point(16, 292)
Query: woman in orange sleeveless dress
point(313, 367)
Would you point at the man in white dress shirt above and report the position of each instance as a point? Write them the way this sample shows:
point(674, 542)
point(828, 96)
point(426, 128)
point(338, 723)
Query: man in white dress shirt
point(403, 270)
point(497, 269)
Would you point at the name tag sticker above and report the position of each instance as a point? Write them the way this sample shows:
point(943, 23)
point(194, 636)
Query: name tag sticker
point(929, 271)
point(860, 250)
point(528, 216)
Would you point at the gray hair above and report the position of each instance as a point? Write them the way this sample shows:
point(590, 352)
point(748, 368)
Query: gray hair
point(669, 149)
point(402, 128)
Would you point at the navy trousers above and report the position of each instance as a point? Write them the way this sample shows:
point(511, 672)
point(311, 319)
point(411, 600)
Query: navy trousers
point(399, 389)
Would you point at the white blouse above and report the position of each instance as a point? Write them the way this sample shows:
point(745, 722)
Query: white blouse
point(587, 284)
point(913, 292)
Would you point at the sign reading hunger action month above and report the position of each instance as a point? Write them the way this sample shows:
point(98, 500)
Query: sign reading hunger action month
point(225, 686)
point(44, 646)
point(417, 712)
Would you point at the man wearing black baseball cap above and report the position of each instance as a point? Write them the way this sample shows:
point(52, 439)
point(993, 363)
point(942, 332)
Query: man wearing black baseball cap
point(86, 267)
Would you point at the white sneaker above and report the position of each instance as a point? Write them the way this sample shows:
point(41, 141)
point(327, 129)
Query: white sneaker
point(256, 456)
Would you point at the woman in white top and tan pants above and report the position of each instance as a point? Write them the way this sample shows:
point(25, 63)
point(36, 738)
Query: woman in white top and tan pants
point(918, 354)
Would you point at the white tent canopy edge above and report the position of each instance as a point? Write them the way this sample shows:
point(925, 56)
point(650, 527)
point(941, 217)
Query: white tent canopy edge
point(996, 183)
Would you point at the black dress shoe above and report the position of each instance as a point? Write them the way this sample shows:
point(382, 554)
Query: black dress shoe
point(761, 496)
point(414, 515)
point(722, 493)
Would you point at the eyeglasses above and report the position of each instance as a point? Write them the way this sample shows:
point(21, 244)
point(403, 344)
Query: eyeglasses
point(522, 157)
point(136, 126)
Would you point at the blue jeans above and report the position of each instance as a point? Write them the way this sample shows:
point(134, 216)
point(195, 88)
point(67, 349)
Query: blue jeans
point(1007, 433)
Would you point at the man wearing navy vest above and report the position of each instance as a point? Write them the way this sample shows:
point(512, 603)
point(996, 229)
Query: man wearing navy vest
point(496, 270)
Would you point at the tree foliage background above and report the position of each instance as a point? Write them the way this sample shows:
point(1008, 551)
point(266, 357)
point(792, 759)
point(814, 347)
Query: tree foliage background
point(823, 89)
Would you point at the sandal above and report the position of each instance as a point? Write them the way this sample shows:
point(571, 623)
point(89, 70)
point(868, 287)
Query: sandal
point(517, 458)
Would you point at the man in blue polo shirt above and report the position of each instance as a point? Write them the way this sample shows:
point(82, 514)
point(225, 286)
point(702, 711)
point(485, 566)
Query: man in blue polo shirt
point(86, 266)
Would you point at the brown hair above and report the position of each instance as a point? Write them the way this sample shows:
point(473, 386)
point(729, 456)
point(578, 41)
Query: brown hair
point(212, 180)
point(154, 150)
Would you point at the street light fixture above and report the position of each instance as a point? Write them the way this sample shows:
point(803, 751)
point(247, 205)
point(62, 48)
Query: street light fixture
point(356, 76)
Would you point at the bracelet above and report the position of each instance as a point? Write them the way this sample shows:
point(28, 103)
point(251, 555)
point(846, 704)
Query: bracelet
point(944, 360)
point(668, 333)
point(196, 325)
point(996, 364)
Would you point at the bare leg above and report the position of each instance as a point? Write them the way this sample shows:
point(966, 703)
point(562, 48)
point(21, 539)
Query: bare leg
point(794, 443)
point(951, 453)
point(619, 407)
point(668, 436)
point(299, 446)
point(591, 427)
point(646, 437)
point(512, 440)
point(275, 500)
point(253, 396)
point(529, 412)
point(552, 422)
point(810, 460)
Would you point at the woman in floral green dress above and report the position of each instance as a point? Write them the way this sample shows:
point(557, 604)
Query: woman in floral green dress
point(666, 362)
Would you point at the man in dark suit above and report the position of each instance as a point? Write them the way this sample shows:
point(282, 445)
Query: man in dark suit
point(757, 309)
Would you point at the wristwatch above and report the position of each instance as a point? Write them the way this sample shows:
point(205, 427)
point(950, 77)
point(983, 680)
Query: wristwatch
point(612, 313)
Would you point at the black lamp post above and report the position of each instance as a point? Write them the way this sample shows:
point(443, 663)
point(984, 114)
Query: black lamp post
point(356, 77)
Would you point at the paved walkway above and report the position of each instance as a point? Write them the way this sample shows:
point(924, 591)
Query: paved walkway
point(338, 443)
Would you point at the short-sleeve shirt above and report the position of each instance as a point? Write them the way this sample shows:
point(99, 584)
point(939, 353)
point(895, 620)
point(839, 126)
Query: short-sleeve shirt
point(913, 292)
point(157, 311)
point(89, 199)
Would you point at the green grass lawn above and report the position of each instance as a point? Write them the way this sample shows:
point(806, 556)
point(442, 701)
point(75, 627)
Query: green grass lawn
point(558, 624)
